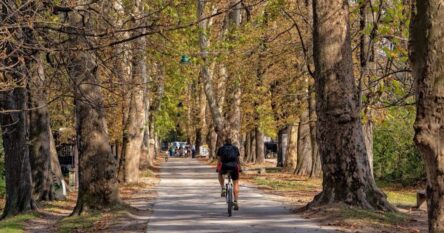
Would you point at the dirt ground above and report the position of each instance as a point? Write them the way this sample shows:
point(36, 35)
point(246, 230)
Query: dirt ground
point(131, 216)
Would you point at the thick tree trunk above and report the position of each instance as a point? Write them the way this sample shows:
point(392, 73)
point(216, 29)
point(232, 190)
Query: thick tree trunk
point(134, 128)
point(14, 124)
point(316, 169)
point(260, 152)
point(17, 164)
point(282, 146)
point(427, 57)
point(97, 166)
point(292, 149)
point(39, 134)
point(305, 156)
point(346, 170)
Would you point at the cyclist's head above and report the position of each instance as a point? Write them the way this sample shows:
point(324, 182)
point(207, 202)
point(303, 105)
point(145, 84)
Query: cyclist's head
point(227, 140)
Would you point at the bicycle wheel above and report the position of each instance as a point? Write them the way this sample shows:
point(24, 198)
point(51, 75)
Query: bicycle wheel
point(230, 201)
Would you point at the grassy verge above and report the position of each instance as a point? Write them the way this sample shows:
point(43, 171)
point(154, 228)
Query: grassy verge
point(396, 195)
point(15, 224)
point(288, 185)
point(372, 217)
point(78, 223)
point(298, 191)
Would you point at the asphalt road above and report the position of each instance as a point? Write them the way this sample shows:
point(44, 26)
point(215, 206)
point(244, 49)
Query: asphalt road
point(189, 201)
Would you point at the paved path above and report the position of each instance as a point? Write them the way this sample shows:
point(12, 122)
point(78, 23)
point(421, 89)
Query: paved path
point(189, 201)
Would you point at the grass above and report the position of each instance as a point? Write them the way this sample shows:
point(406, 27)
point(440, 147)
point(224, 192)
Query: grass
point(370, 216)
point(398, 196)
point(287, 185)
point(75, 223)
point(147, 173)
point(401, 197)
point(15, 224)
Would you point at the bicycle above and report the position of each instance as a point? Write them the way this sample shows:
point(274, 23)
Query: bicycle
point(229, 196)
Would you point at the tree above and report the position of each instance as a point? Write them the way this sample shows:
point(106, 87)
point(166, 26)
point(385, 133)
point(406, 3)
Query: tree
point(44, 163)
point(97, 167)
point(217, 118)
point(14, 100)
point(134, 128)
point(427, 58)
point(346, 170)
point(304, 162)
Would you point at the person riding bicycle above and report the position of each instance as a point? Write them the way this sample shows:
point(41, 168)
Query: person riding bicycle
point(228, 161)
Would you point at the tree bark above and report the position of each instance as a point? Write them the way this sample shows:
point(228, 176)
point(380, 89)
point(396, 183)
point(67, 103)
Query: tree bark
point(427, 58)
point(56, 170)
point(252, 156)
point(218, 121)
point(145, 158)
point(282, 146)
point(292, 149)
point(260, 152)
point(14, 125)
point(364, 57)
point(235, 92)
point(133, 131)
point(346, 170)
point(40, 134)
point(97, 166)
point(316, 169)
point(305, 156)
point(247, 149)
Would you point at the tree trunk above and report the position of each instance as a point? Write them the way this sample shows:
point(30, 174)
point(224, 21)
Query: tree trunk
point(235, 93)
point(97, 166)
point(247, 149)
point(260, 152)
point(39, 134)
point(133, 131)
point(218, 122)
point(292, 149)
point(282, 146)
point(316, 169)
point(145, 160)
point(242, 148)
point(305, 156)
point(202, 105)
point(427, 58)
point(252, 156)
point(364, 57)
point(15, 139)
point(56, 170)
point(346, 170)
point(368, 140)
point(14, 124)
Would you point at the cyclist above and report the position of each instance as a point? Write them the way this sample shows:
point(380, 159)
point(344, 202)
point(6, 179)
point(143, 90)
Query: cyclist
point(228, 161)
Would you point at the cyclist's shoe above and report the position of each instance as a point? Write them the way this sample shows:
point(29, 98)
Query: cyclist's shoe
point(223, 192)
point(235, 205)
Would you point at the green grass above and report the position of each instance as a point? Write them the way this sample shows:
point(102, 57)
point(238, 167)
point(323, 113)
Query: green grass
point(285, 185)
point(401, 198)
point(15, 224)
point(73, 223)
point(391, 218)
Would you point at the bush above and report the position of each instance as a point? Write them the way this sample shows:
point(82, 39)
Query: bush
point(396, 158)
